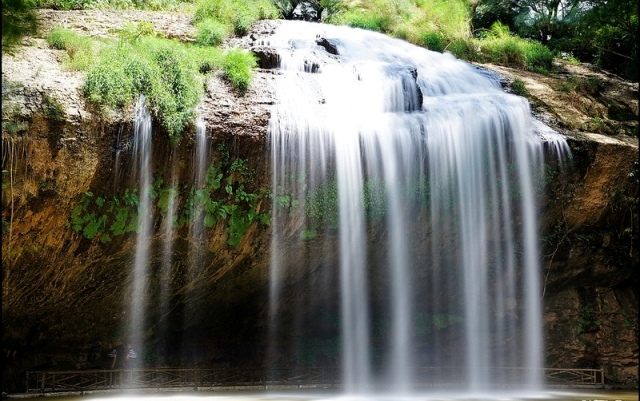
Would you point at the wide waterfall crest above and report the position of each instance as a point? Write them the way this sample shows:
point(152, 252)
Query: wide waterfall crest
point(414, 176)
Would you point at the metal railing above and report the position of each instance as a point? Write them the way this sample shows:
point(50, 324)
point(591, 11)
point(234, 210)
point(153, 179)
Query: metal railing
point(195, 379)
point(594, 377)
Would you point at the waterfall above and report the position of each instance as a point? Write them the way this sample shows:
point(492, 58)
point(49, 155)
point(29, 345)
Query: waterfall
point(197, 240)
point(406, 178)
point(168, 200)
point(143, 174)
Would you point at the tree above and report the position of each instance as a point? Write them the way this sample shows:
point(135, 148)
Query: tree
point(484, 13)
point(608, 29)
point(604, 32)
point(18, 19)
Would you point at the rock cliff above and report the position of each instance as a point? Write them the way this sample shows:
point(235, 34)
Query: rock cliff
point(64, 292)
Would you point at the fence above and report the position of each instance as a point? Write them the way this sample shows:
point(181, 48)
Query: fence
point(199, 379)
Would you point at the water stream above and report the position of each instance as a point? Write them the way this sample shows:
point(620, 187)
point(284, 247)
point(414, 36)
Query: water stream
point(415, 175)
point(143, 174)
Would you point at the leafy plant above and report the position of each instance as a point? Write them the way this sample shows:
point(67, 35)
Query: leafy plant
point(160, 69)
point(211, 32)
point(237, 15)
point(80, 49)
point(519, 87)
point(500, 47)
point(18, 19)
point(365, 19)
point(237, 65)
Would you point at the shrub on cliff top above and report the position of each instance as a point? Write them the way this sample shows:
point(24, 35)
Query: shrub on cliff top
point(501, 47)
point(80, 50)
point(160, 69)
point(167, 72)
point(237, 66)
point(236, 15)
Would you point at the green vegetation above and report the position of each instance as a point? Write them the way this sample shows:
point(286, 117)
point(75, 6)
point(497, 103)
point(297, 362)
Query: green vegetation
point(154, 5)
point(588, 321)
point(18, 20)
point(163, 70)
point(223, 197)
point(596, 31)
point(167, 72)
point(105, 218)
point(237, 66)
point(211, 32)
point(236, 15)
point(80, 50)
point(322, 204)
point(500, 46)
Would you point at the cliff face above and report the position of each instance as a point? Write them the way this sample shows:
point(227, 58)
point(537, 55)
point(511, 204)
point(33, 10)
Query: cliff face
point(65, 290)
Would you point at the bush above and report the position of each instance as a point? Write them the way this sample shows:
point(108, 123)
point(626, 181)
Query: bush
point(237, 15)
point(365, 19)
point(161, 69)
point(211, 32)
point(500, 47)
point(519, 87)
point(537, 56)
point(465, 49)
point(433, 40)
point(18, 20)
point(237, 66)
point(80, 49)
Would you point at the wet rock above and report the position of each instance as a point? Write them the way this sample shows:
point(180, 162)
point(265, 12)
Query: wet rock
point(330, 45)
point(267, 57)
point(305, 11)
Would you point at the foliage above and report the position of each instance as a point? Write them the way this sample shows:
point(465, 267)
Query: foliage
point(155, 5)
point(595, 31)
point(211, 32)
point(98, 217)
point(500, 46)
point(519, 88)
point(365, 19)
point(162, 70)
point(237, 66)
point(18, 20)
point(167, 72)
point(433, 40)
point(588, 321)
point(465, 49)
point(425, 323)
point(223, 197)
point(236, 15)
point(80, 50)
point(322, 208)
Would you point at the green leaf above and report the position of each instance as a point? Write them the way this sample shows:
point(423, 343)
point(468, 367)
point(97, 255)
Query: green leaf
point(210, 220)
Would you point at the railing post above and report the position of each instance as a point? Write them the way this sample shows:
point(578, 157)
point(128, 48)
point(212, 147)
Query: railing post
point(601, 377)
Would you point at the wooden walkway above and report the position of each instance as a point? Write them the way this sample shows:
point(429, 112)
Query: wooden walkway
point(81, 381)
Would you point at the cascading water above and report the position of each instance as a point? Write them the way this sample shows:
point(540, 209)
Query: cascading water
point(143, 174)
point(196, 236)
point(413, 174)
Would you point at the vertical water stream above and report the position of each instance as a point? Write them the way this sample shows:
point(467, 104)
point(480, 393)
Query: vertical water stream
point(142, 173)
